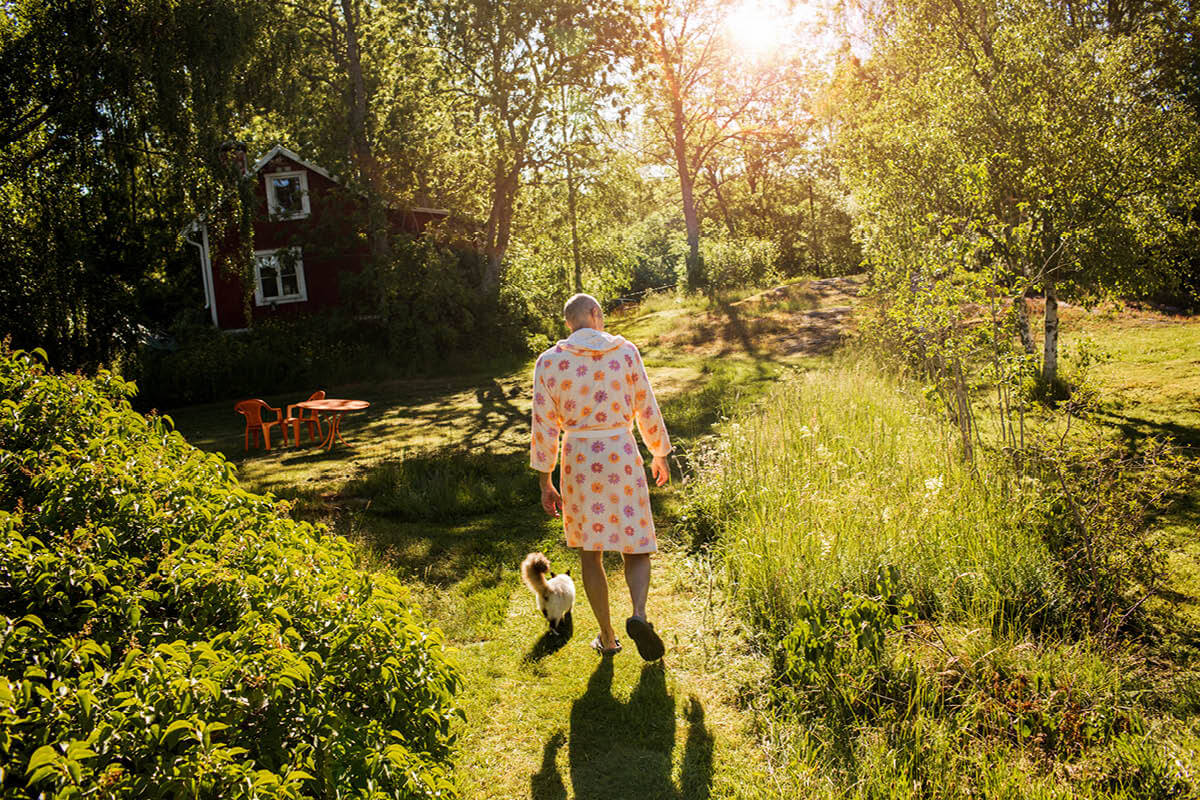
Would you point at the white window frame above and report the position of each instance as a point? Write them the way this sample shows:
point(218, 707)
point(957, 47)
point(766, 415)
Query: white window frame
point(273, 206)
point(300, 297)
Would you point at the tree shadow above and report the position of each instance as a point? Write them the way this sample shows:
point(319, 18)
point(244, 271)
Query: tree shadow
point(624, 750)
point(497, 413)
point(1135, 429)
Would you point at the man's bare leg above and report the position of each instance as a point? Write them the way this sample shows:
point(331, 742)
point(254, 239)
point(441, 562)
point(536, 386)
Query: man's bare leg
point(595, 583)
point(637, 578)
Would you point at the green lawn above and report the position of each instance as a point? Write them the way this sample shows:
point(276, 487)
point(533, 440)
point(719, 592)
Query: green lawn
point(1150, 386)
point(434, 486)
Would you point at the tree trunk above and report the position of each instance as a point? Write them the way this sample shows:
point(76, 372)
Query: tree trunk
point(360, 145)
point(1050, 352)
point(814, 244)
point(572, 210)
point(499, 225)
point(572, 205)
point(674, 96)
point(695, 275)
point(716, 187)
point(1021, 307)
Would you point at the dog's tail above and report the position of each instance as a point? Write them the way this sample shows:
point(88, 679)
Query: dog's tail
point(534, 569)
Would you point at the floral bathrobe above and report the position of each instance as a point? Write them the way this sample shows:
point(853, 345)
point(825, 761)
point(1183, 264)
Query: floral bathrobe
point(592, 387)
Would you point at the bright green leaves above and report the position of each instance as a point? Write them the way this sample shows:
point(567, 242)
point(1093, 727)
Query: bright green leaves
point(829, 632)
point(1021, 145)
point(180, 636)
point(62, 764)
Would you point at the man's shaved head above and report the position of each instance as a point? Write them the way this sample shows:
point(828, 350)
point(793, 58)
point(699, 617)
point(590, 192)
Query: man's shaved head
point(578, 310)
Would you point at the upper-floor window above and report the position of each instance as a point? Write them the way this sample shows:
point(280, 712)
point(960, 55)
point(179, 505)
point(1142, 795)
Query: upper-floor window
point(287, 194)
point(279, 276)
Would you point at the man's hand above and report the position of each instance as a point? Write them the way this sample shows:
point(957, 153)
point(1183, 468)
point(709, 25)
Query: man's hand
point(662, 472)
point(551, 499)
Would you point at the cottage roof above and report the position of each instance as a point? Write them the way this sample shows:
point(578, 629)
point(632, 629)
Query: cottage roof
point(286, 153)
point(291, 155)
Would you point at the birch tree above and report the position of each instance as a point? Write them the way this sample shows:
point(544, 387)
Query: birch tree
point(1046, 151)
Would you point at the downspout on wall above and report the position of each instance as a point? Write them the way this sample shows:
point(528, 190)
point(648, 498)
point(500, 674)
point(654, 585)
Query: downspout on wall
point(206, 277)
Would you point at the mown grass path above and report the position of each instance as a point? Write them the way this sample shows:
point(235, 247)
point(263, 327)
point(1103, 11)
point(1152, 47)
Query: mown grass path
point(550, 720)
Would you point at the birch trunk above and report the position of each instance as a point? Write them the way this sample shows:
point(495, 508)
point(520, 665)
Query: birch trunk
point(1050, 351)
point(1021, 307)
point(572, 209)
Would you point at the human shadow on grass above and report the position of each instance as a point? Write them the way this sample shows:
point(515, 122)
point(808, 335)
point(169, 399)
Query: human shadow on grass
point(617, 749)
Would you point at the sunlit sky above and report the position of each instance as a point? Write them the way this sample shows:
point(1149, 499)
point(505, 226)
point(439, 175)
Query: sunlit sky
point(765, 29)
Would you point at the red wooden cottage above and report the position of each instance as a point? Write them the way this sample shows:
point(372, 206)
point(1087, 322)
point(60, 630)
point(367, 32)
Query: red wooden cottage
point(307, 233)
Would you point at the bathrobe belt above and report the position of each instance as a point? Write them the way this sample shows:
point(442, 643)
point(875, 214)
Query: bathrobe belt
point(598, 433)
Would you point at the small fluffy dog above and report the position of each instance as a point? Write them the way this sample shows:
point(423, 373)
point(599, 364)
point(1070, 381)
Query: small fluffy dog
point(554, 595)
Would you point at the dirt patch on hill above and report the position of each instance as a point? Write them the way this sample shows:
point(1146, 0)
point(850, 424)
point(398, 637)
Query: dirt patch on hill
point(799, 319)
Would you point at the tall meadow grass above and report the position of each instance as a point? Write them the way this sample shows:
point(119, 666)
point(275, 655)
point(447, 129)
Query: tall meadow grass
point(845, 470)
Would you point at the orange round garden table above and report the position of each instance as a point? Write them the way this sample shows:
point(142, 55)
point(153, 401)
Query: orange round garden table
point(335, 408)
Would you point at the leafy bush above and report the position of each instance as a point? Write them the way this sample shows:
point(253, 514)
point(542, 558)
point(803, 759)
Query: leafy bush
point(738, 263)
point(829, 632)
point(428, 297)
point(165, 633)
point(275, 355)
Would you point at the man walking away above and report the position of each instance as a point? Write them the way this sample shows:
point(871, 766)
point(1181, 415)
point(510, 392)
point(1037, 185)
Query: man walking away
point(592, 387)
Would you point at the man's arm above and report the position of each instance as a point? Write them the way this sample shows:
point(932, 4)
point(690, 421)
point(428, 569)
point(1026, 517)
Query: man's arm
point(551, 499)
point(544, 430)
point(650, 421)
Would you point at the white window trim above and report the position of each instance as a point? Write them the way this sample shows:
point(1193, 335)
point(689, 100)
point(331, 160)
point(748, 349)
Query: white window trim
point(272, 206)
point(301, 297)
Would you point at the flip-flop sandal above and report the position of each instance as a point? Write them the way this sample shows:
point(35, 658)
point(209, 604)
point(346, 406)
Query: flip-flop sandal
point(599, 647)
point(649, 645)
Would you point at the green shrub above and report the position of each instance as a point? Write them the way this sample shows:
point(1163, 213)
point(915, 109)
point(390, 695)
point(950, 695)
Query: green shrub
point(165, 633)
point(275, 355)
point(738, 263)
point(1097, 513)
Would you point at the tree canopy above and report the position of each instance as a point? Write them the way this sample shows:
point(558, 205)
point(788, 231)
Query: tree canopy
point(606, 147)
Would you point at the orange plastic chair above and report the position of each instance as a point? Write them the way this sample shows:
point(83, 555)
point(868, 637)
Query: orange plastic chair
point(252, 410)
point(312, 418)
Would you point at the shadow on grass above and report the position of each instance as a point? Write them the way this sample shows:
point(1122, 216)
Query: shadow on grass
point(493, 413)
point(475, 553)
point(463, 574)
point(551, 642)
point(617, 749)
point(447, 485)
point(1134, 429)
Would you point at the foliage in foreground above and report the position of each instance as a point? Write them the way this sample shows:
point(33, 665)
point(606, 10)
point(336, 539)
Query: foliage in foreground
point(166, 633)
point(932, 621)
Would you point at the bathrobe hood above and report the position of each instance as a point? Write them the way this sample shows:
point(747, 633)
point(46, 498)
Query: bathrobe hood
point(589, 341)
